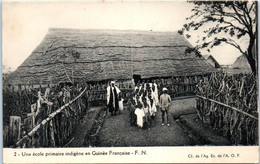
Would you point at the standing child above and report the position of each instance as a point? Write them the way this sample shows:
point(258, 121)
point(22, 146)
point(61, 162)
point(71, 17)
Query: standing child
point(147, 113)
point(140, 115)
point(131, 109)
point(165, 102)
point(120, 102)
point(152, 107)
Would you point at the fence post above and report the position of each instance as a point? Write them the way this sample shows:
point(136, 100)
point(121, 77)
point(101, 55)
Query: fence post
point(15, 128)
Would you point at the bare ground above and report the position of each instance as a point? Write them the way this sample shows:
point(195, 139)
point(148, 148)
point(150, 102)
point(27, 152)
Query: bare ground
point(186, 129)
point(117, 132)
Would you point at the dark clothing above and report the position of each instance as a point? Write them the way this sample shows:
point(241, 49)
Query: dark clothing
point(110, 105)
point(132, 114)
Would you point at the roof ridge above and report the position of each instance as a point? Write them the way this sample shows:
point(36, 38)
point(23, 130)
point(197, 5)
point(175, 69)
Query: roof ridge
point(107, 30)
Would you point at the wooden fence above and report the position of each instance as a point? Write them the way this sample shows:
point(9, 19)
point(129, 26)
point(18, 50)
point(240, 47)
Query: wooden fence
point(57, 131)
point(51, 131)
point(229, 105)
point(179, 86)
point(47, 126)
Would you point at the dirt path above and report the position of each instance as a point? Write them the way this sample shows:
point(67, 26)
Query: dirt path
point(117, 132)
point(185, 130)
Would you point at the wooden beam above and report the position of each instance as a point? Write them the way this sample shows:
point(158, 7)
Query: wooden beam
point(228, 106)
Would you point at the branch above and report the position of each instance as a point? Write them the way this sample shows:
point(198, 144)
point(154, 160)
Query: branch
point(251, 7)
point(240, 17)
point(228, 14)
point(249, 17)
point(233, 43)
point(235, 27)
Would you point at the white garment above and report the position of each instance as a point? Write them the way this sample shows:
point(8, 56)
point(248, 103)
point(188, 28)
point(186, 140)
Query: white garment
point(121, 105)
point(135, 100)
point(140, 114)
point(155, 98)
point(156, 89)
point(153, 109)
point(108, 92)
point(140, 100)
point(140, 87)
point(146, 110)
point(136, 88)
point(149, 105)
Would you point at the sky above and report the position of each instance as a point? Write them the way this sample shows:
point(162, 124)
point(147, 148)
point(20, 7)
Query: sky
point(25, 24)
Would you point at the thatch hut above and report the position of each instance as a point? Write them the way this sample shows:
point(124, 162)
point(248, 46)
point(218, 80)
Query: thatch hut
point(97, 55)
point(241, 65)
point(212, 61)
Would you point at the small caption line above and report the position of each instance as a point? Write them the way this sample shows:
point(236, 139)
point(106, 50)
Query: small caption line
point(79, 153)
point(231, 155)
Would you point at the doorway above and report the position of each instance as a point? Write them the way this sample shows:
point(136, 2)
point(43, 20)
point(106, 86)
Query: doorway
point(137, 78)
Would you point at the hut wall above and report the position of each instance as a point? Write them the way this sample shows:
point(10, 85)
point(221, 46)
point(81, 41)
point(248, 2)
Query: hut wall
point(97, 91)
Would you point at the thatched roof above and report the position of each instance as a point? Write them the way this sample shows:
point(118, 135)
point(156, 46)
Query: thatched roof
point(109, 54)
point(241, 62)
point(212, 61)
point(241, 65)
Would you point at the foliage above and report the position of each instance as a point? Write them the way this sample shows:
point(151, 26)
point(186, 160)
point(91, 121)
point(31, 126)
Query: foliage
point(234, 19)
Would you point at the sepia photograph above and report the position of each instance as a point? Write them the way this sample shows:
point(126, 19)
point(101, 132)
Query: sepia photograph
point(144, 74)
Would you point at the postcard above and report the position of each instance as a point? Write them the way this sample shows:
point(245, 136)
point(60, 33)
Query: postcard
point(130, 82)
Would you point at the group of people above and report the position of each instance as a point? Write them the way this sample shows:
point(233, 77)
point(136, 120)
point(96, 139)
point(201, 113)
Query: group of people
point(142, 104)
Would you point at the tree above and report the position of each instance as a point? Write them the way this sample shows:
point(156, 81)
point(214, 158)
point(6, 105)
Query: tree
point(235, 20)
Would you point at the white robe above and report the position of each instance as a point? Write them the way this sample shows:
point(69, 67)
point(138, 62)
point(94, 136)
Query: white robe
point(149, 105)
point(140, 100)
point(140, 114)
point(156, 89)
point(155, 98)
point(121, 105)
point(153, 109)
point(108, 92)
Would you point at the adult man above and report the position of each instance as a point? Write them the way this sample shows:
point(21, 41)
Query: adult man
point(165, 102)
point(112, 98)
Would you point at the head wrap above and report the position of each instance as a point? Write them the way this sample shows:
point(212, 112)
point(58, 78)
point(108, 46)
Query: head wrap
point(164, 89)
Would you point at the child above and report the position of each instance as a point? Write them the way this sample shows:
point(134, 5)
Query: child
point(165, 102)
point(120, 103)
point(131, 109)
point(139, 114)
point(153, 109)
point(147, 113)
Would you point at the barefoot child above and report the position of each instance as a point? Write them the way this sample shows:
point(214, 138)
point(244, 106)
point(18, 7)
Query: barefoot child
point(131, 109)
point(140, 115)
